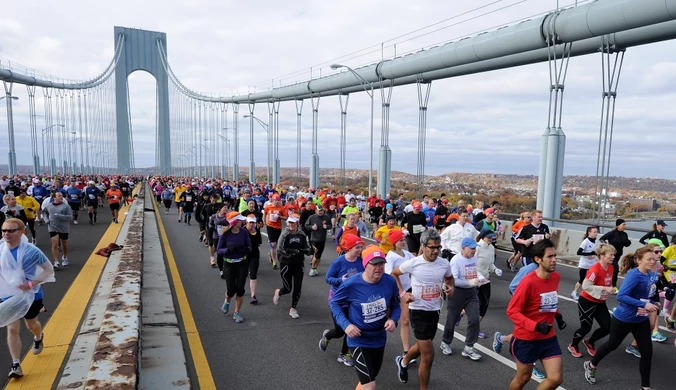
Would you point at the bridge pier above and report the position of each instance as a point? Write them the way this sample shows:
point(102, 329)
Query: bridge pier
point(314, 162)
point(385, 153)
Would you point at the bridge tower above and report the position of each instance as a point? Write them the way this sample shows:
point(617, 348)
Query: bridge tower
point(140, 52)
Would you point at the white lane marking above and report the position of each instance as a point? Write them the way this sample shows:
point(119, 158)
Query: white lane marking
point(492, 354)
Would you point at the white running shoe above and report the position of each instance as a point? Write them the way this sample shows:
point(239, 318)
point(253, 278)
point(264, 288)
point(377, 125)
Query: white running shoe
point(294, 313)
point(74, 222)
point(471, 353)
point(446, 349)
point(64, 261)
point(57, 265)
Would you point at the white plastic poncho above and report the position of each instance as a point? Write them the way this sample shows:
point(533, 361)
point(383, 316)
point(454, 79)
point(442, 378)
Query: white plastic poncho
point(31, 264)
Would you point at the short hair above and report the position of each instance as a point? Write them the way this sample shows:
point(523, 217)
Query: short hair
point(461, 210)
point(536, 212)
point(603, 249)
point(16, 221)
point(429, 235)
point(540, 248)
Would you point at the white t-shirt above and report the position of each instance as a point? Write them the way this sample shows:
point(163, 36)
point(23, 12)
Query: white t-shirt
point(394, 261)
point(586, 262)
point(427, 281)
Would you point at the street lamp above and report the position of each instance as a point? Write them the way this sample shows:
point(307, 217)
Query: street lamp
point(10, 128)
point(364, 85)
point(265, 127)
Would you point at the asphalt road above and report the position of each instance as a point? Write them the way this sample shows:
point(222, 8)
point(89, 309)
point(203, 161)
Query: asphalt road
point(82, 241)
point(272, 349)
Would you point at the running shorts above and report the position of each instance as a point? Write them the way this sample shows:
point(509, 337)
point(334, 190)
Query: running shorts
point(74, 206)
point(167, 203)
point(530, 351)
point(34, 310)
point(318, 249)
point(273, 234)
point(62, 236)
point(114, 206)
point(582, 274)
point(424, 323)
point(93, 204)
point(202, 225)
point(368, 362)
point(331, 215)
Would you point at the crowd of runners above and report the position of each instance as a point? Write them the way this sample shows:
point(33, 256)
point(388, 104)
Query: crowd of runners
point(428, 253)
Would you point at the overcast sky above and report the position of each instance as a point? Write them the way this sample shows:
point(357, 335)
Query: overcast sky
point(488, 122)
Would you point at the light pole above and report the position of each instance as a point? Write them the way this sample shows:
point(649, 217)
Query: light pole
point(52, 163)
point(364, 85)
point(265, 127)
point(227, 154)
point(10, 127)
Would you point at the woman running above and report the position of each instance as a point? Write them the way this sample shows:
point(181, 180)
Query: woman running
point(292, 248)
point(587, 253)
point(485, 265)
point(632, 314)
point(395, 257)
point(234, 245)
point(668, 260)
point(343, 267)
point(657, 232)
point(516, 228)
point(591, 305)
point(255, 255)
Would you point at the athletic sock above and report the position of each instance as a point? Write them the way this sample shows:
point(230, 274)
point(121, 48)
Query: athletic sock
point(16, 361)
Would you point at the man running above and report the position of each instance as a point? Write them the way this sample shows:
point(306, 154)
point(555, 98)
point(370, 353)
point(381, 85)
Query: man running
point(533, 309)
point(58, 214)
point(373, 309)
point(36, 270)
point(74, 198)
point(92, 197)
point(430, 276)
point(114, 195)
point(317, 224)
point(531, 234)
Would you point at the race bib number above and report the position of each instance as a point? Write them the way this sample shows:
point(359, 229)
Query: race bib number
point(470, 271)
point(641, 312)
point(188, 198)
point(221, 230)
point(538, 237)
point(418, 229)
point(92, 197)
point(274, 217)
point(549, 302)
point(430, 291)
point(73, 196)
point(114, 197)
point(374, 311)
point(672, 277)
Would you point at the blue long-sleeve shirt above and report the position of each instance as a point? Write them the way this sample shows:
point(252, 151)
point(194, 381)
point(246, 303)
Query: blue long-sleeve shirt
point(520, 275)
point(368, 305)
point(234, 246)
point(634, 293)
point(340, 267)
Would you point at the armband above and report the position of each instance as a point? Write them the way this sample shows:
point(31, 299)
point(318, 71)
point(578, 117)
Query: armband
point(30, 284)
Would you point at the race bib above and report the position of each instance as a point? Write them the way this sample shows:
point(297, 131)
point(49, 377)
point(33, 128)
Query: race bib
point(114, 197)
point(549, 302)
point(430, 291)
point(374, 311)
point(641, 312)
point(537, 237)
point(221, 230)
point(188, 198)
point(73, 196)
point(274, 217)
point(470, 271)
point(672, 277)
point(418, 229)
point(92, 197)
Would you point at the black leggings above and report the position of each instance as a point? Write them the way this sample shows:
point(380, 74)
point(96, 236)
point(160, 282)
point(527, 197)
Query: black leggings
point(616, 269)
point(292, 273)
point(235, 277)
point(338, 332)
point(413, 243)
point(254, 262)
point(367, 362)
point(588, 312)
point(484, 293)
point(31, 227)
point(618, 331)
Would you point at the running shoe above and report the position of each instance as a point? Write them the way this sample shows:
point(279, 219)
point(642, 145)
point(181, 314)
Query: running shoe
point(590, 347)
point(470, 352)
point(75, 222)
point(670, 322)
point(537, 373)
point(324, 342)
point(633, 351)
point(34, 242)
point(201, 238)
point(38, 345)
point(457, 322)
point(346, 359)
point(64, 261)
point(57, 265)
point(497, 342)
point(658, 337)
point(446, 349)
point(213, 263)
point(575, 351)
point(294, 313)
point(589, 372)
point(275, 298)
point(238, 318)
point(15, 372)
point(512, 267)
point(575, 295)
point(401, 371)
point(274, 265)
point(225, 308)
point(314, 272)
point(482, 335)
point(253, 300)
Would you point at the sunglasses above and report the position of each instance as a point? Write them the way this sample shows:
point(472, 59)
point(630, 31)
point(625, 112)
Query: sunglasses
point(434, 248)
point(10, 230)
point(656, 252)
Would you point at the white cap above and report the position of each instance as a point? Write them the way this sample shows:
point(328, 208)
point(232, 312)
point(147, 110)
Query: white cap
point(292, 218)
point(91, 182)
point(251, 218)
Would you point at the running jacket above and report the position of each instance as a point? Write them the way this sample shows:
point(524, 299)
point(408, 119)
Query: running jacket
point(292, 247)
point(634, 293)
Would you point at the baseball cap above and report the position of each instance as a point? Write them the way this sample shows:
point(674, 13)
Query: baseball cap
point(388, 206)
point(656, 241)
point(489, 211)
point(293, 218)
point(275, 197)
point(661, 223)
point(486, 232)
point(348, 241)
point(91, 182)
point(395, 235)
point(417, 206)
point(234, 216)
point(372, 254)
point(468, 242)
point(251, 218)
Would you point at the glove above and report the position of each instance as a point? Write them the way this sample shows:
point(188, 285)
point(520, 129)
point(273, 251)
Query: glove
point(307, 251)
point(543, 327)
point(293, 252)
point(473, 282)
point(498, 272)
point(560, 322)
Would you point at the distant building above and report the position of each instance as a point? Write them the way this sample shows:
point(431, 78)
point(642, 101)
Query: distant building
point(644, 204)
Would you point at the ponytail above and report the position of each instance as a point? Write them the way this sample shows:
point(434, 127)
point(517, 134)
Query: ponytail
point(627, 263)
point(654, 226)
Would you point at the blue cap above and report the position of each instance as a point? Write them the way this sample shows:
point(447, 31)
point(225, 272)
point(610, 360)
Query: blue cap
point(468, 242)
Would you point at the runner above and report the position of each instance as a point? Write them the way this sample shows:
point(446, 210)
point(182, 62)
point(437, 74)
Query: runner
point(631, 314)
point(188, 199)
point(39, 192)
point(350, 227)
point(372, 310)
point(74, 196)
point(35, 270)
point(202, 217)
point(217, 225)
point(587, 253)
point(382, 234)
point(619, 239)
point(430, 276)
point(485, 263)
point(465, 299)
point(180, 188)
point(293, 246)
point(531, 234)
point(93, 196)
point(255, 255)
point(533, 309)
point(234, 245)
point(596, 287)
point(31, 207)
point(413, 225)
point(523, 220)
point(114, 195)
point(59, 215)
point(395, 258)
point(454, 234)
point(657, 232)
point(343, 267)
point(317, 225)
point(273, 214)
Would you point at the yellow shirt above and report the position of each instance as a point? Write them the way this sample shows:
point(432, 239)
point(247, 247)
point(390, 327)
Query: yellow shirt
point(382, 235)
point(28, 203)
point(178, 191)
point(670, 264)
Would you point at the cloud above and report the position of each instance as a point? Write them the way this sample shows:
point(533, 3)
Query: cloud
point(489, 122)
